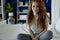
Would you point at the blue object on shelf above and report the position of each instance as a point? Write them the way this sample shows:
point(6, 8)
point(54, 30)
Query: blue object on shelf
point(23, 6)
point(21, 21)
point(24, 0)
point(23, 14)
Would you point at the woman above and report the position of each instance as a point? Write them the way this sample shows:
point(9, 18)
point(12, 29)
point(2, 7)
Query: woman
point(37, 21)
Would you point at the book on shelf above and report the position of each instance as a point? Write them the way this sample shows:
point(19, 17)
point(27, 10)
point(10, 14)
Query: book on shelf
point(26, 3)
point(23, 6)
point(21, 3)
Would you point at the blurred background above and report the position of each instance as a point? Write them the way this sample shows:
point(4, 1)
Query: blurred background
point(19, 9)
point(13, 15)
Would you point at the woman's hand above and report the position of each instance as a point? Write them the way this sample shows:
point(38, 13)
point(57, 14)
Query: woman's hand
point(35, 38)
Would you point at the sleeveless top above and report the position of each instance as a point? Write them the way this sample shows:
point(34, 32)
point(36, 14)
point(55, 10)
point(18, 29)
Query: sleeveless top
point(34, 27)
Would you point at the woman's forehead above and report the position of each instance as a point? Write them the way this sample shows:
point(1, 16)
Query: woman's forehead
point(34, 3)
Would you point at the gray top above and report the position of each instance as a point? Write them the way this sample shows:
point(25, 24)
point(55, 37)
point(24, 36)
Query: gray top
point(34, 27)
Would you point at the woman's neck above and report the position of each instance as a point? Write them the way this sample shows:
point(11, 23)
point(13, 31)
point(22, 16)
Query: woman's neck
point(36, 17)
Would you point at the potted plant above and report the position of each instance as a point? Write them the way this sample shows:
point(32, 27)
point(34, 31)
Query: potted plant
point(9, 10)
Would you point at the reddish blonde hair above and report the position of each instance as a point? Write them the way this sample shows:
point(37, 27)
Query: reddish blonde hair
point(41, 14)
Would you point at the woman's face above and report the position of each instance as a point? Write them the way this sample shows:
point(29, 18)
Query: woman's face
point(35, 8)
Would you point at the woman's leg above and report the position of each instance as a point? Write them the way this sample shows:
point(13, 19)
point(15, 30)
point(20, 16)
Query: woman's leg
point(46, 36)
point(23, 37)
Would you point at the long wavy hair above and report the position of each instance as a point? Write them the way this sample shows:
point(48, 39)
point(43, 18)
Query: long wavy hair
point(41, 21)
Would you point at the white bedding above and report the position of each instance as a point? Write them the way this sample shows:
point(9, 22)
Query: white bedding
point(10, 31)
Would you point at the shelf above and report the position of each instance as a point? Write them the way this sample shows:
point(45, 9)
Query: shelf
point(21, 21)
point(22, 12)
point(22, 6)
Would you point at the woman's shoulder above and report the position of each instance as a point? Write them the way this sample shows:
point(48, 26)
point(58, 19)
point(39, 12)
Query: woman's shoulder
point(47, 18)
point(47, 21)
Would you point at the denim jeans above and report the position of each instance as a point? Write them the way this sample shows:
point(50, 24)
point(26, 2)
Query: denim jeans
point(46, 36)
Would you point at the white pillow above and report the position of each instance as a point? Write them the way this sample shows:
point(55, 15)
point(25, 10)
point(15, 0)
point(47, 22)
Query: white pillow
point(58, 26)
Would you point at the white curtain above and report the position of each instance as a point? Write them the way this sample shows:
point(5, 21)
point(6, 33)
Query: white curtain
point(55, 10)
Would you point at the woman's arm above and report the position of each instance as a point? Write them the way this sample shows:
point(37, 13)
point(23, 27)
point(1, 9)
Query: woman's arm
point(37, 36)
point(31, 33)
point(47, 23)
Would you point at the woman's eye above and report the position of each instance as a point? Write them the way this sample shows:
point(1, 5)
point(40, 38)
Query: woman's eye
point(33, 6)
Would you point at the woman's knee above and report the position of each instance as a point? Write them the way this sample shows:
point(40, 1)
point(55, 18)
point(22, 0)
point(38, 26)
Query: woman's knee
point(19, 36)
point(47, 35)
point(50, 34)
point(23, 37)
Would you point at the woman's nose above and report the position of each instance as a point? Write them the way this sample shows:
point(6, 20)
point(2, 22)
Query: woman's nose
point(35, 8)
